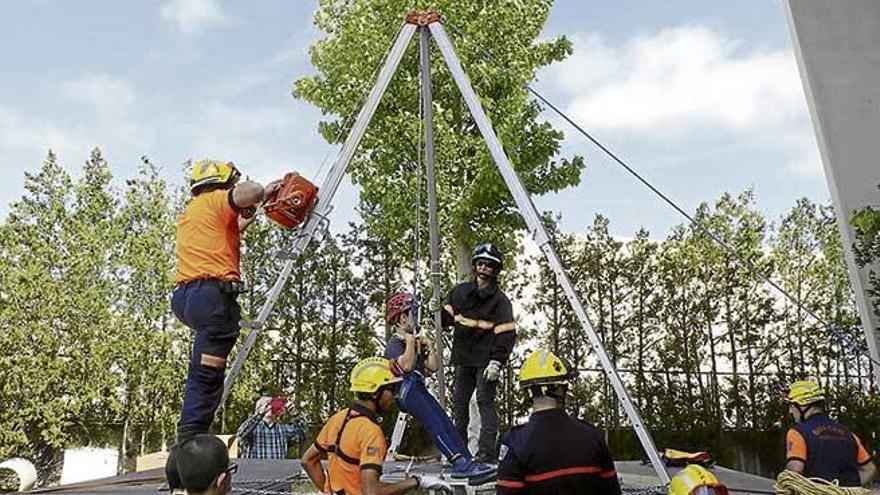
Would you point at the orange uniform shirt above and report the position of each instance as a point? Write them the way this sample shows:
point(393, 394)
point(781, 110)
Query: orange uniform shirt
point(208, 239)
point(361, 445)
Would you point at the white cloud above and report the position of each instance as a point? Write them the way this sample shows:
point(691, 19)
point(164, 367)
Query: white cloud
point(264, 140)
point(804, 160)
point(17, 133)
point(675, 80)
point(193, 16)
point(107, 94)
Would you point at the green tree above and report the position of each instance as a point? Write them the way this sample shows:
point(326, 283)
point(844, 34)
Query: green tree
point(474, 204)
point(36, 412)
point(151, 351)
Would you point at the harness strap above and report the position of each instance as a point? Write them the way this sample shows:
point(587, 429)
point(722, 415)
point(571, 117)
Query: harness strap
point(335, 449)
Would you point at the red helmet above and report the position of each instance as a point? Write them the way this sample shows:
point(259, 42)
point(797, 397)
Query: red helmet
point(397, 305)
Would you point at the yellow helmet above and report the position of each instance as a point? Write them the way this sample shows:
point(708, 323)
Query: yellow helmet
point(370, 374)
point(210, 171)
point(696, 480)
point(804, 393)
point(542, 367)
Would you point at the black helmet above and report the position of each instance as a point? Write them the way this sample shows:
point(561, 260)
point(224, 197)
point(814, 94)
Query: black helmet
point(488, 251)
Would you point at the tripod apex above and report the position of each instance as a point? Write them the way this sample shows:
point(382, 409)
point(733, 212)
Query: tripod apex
point(429, 16)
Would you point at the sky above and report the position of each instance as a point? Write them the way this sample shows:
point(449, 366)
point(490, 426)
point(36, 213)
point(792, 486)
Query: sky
point(700, 96)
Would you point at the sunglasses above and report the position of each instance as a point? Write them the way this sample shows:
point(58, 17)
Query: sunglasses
point(486, 263)
point(232, 469)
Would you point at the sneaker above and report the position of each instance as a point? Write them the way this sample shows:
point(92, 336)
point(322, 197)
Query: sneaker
point(467, 468)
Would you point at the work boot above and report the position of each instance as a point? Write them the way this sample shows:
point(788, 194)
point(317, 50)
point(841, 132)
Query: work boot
point(482, 458)
point(463, 468)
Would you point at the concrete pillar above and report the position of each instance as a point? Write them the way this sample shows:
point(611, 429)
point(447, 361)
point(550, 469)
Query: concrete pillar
point(837, 44)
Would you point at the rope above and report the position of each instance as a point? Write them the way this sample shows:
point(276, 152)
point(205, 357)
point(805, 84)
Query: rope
point(643, 489)
point(792, 483)
point(843, 339)
point(417, 252)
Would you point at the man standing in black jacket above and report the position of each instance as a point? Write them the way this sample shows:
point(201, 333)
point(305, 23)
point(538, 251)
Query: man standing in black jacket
point(483, 336)
point(553, 453)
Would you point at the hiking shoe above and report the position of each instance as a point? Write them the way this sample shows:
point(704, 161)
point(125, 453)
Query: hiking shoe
point(467, 468)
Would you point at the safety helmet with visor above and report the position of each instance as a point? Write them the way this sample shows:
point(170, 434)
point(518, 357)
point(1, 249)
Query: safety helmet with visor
point(543, 372)
point(487, 254)
point(371, 375)
point(208, 171)
point(696, 480)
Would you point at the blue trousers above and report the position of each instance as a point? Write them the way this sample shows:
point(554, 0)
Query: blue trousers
point(414, 399)
point(214, 317)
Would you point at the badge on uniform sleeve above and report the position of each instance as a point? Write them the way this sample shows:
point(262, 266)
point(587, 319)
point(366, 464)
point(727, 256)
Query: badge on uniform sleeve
point(502, 452)
point(372, 451)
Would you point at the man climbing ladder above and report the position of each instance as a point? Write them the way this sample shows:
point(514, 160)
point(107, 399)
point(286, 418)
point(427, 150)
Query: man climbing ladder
point(209, 281)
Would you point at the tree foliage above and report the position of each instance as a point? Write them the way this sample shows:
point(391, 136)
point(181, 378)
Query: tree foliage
point(93, 356)
point(474, 202)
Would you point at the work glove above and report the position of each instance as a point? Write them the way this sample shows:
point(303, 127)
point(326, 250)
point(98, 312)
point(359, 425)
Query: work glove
point(492, 372)
point(433, 483)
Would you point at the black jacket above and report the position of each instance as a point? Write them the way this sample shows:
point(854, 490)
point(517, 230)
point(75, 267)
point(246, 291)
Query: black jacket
point(483, 325)
point(555, 454)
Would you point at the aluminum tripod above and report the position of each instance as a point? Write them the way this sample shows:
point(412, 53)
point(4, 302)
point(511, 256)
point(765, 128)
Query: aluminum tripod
point(432, 22)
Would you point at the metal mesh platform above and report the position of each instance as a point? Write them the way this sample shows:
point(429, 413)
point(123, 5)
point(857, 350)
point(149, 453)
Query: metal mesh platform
point(265, 477)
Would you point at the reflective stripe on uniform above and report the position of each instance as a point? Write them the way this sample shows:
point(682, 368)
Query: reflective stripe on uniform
point(470, 322)
point(563, 472)
point(505, 327)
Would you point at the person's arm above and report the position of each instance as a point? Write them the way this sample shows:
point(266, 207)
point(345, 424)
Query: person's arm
point(244, 222)
point(505, 333)
point(867, 473)
point(511, 474)
point(407, 360)
point(248, 194)
point(311, 463)
point(246, 197)
point(296, 430)
point(867, 469)
point(371, 485)
point(795, 451)
point(447, 316)
point(373, 448)
point(432, 363)
point(246, 430)
point(610, 482)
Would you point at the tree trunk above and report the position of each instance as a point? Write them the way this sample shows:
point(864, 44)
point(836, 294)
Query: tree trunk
point(123, 451)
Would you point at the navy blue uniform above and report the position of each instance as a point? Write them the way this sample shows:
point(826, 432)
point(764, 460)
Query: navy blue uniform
point(555, 454)
point(415, 399)
point(828, 450)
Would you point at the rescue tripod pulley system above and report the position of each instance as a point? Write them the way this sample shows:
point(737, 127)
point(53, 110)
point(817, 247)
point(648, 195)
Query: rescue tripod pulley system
point(430, 26)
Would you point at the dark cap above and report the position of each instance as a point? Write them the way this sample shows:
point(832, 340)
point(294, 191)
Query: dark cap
point(200, 460)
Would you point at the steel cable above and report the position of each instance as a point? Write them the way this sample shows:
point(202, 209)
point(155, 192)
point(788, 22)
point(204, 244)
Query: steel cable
point(843, 339)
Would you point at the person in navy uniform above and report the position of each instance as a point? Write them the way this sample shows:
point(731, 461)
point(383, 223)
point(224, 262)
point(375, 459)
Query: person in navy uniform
point(819, 447)
point(553, 453)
